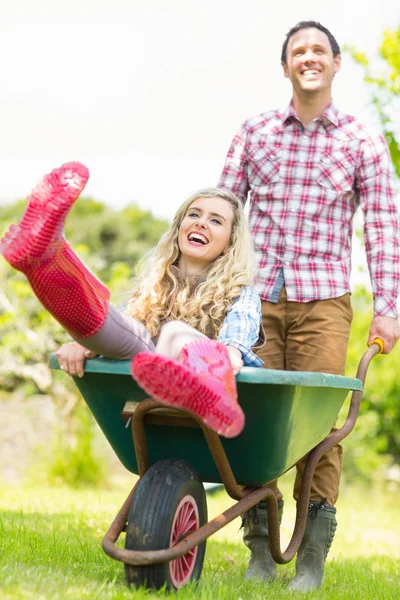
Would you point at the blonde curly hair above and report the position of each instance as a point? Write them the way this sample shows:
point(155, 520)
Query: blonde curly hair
point(161, 295)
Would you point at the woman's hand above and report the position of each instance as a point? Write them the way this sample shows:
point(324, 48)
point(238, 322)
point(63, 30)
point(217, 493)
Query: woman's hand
point(236, 359)
point(71, 358)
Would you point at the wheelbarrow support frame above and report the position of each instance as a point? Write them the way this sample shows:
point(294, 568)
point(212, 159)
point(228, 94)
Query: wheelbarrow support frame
point(247, 497)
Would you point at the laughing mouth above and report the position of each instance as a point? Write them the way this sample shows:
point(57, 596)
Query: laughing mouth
point(198, 237)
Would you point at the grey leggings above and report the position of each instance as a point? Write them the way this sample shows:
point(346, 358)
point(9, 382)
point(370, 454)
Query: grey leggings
point(122, 337)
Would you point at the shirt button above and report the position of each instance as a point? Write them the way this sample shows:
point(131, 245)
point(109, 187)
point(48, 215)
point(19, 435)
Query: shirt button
point(290, 236)
point(287, 264)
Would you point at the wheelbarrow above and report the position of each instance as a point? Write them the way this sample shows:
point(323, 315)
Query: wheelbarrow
point(288, 415)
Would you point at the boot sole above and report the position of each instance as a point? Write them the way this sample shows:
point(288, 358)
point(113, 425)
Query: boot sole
point(179, 387)
point(44, 216)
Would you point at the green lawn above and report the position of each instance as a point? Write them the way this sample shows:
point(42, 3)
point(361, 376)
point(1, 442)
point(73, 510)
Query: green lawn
point(50, 548)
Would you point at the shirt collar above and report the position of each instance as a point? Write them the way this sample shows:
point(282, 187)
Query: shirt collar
point(329, 116)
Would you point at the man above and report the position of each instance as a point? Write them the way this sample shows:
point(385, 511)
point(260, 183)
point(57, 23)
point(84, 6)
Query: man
point(307, 169)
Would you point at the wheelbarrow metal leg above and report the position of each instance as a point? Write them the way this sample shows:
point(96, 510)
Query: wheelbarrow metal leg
point(214, 443)
point(119, 523)
point(133, 557)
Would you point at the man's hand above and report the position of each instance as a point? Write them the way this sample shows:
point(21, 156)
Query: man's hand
point(236, 359)
point(71, 358)
point(386, 328)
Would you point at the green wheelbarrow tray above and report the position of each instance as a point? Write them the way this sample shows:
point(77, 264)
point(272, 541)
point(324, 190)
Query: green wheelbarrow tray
point(288, 415)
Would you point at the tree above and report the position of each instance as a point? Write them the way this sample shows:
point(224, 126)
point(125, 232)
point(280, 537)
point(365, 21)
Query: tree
point(383, 77)
point(374, 446)
point(376, 439)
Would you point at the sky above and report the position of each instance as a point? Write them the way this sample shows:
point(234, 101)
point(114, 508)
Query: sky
point(149, 93)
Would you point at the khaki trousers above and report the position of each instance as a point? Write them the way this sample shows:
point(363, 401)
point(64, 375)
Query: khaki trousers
point(310, 336)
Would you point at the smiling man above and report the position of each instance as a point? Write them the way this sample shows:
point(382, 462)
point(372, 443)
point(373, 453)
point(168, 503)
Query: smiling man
point(307, 169)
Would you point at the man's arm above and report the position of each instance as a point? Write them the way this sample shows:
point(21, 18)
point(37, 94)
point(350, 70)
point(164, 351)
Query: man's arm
point(234, 174)
point(381, 233)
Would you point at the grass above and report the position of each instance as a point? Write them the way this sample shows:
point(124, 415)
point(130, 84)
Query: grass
point(50, 548)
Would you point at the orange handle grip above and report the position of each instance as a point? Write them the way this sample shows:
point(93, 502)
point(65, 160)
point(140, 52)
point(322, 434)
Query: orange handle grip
point(379, 343)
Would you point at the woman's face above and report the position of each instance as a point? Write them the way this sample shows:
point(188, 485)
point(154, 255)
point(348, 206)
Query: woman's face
point(205, 231)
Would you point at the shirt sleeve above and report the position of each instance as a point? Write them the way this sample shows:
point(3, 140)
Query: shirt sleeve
point(241, 327)
point(379, 205)
point(234, 174)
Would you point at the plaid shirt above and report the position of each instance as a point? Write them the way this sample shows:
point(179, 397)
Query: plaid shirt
point(305, 185)
point(241, 327)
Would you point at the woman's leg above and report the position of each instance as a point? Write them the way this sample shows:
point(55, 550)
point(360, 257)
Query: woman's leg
point(63, 284)
point(121, 337)
point(174, 336)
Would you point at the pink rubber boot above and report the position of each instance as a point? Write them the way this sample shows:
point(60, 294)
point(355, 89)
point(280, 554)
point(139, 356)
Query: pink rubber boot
point(200, 381)
point(63, 284)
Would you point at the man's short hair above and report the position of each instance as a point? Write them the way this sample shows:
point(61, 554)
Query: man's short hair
point(308, 25)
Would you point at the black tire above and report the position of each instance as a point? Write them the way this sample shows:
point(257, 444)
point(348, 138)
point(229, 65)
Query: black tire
point(165, 488)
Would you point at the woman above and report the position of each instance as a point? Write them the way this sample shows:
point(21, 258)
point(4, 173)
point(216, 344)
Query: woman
point(192, 318)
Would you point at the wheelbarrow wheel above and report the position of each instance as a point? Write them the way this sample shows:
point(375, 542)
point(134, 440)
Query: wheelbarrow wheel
point(168, 504)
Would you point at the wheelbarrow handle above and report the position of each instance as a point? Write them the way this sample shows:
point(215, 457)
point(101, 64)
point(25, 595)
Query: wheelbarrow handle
point(333, 438)
point(379, 343)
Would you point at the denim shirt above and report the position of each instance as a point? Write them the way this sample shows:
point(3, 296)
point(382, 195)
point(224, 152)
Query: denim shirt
point(242, 327)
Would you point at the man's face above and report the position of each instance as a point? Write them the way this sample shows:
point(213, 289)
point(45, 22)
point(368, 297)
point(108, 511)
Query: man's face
point(310, 63)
